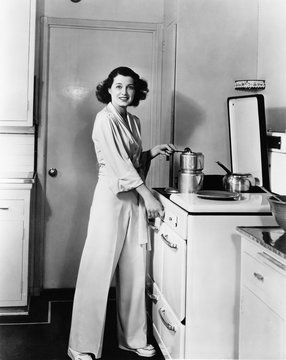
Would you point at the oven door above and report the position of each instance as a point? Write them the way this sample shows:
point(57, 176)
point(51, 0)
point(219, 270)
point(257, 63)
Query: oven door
point(173, 283)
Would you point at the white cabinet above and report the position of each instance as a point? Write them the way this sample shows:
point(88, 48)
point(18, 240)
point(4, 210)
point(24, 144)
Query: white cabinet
point(17, 45)
point(14, 245)
point(262, 330)
point(167, 280)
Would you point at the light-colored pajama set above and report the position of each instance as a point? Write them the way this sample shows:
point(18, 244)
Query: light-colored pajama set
point(116, 239)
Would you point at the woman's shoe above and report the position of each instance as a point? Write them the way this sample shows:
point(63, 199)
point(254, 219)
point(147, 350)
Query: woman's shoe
point(147, 351)
point(75, 355)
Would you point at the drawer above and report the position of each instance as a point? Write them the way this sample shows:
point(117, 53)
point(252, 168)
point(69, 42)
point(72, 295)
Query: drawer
point(175, 217)
point(11, 209)
point(173, 285)
point(260, 276)
point(170, 329)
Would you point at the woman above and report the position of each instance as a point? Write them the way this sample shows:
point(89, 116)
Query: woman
point(117, 232)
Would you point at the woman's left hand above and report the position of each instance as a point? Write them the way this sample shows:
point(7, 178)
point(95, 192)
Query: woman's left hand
point(163, 149)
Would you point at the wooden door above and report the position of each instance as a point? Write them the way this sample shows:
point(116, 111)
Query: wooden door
point(77, 56)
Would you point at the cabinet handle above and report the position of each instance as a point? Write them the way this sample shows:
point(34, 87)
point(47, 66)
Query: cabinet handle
point(162, 314)
point(171, 245)
point(153, 297)
point(271, 259)
point(4, 208)
point(258, 276)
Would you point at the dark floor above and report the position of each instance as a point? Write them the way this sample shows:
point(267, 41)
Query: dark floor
point(43, 334)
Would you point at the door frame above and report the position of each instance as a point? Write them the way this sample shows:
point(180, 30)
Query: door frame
point(47, 23)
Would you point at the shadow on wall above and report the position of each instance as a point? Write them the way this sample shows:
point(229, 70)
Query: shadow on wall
point(189, 118)
point(276, 119)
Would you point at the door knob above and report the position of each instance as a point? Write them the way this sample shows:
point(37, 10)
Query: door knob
point(53, 172)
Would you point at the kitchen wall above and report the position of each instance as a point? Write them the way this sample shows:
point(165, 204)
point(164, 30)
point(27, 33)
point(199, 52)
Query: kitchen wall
point(219, 42)
point(272, 60)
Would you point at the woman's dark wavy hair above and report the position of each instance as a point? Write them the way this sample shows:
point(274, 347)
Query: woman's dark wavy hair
point(141, 86)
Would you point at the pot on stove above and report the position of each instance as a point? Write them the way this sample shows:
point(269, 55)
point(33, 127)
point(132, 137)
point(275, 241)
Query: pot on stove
point(190, 176)
point(235, 182)
point(190, 182)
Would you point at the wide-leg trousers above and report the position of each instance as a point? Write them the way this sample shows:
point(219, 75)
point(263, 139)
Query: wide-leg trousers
point(111, 246)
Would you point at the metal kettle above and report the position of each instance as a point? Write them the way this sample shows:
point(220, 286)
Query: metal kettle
point(191, 161)
point(190, 177)
point(236, 182)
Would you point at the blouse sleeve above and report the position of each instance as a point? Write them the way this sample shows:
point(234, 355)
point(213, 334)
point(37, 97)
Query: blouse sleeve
point(109, 138)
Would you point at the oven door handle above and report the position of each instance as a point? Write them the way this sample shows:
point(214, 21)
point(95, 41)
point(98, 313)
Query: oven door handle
point(162, 313)
point(169, 243)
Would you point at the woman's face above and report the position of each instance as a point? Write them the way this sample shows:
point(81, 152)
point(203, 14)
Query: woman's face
point(122, 91)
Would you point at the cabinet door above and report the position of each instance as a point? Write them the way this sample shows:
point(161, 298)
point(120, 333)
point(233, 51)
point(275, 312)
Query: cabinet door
point(12, 264)
point(17, 33)
point(174, 270)
point(262, 331)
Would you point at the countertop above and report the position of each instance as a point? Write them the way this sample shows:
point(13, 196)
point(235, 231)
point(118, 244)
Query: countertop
point(271, 238)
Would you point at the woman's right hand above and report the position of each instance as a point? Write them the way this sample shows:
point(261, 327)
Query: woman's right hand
point(154, 208)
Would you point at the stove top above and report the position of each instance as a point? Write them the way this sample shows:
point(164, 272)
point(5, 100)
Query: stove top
point(251, 203)
point(247, 203)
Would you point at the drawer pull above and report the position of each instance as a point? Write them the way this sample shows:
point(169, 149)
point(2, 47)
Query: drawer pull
point(4, 208)
point(153, 297)
point(171, 245)
point(162, 314)
point(258, 276)
point(271, 259)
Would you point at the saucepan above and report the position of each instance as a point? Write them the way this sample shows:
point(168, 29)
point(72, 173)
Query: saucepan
point(236, 182)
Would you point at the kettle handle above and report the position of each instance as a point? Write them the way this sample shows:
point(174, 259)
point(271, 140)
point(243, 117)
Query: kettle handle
point(201, 180)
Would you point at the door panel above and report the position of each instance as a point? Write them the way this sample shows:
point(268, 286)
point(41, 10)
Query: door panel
point(78, 57)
